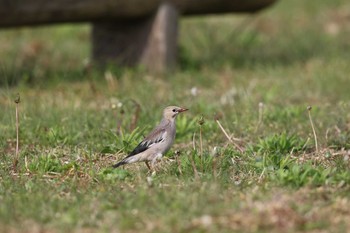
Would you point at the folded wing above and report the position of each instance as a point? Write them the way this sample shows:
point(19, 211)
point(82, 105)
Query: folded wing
point(157, 136)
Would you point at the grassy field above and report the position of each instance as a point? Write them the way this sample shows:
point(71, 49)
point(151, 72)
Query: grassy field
point(255, 75)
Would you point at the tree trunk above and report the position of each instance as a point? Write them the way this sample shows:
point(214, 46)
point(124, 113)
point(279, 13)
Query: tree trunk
point(148, 41)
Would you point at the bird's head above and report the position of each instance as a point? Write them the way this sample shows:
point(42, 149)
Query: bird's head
point(172, 111)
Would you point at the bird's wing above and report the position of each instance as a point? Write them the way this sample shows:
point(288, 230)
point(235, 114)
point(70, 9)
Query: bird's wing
point(158, 135)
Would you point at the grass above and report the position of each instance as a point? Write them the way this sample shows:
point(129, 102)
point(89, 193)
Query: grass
point(256, 75)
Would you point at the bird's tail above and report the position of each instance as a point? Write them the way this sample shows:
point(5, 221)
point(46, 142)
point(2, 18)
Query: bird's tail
point(127, 160)
point(119, 164)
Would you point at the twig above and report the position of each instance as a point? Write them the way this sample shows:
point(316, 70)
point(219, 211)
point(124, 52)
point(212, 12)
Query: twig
point(261, 175)
point(214, 167)
point(305, 144)
point(15, 161)
point(228, 137)
point(178, 162)
point(201, 147)
point(194, 141)
point(194, 167)
point(120, 119)
point(26, 163)
point(313, 128)
point(136, 115)
point(201, 122)
point(201, 141)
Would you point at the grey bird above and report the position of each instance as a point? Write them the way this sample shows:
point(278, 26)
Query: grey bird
point(158, 142)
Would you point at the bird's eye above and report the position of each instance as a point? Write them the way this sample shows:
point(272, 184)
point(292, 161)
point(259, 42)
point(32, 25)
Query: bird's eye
point(174, 110)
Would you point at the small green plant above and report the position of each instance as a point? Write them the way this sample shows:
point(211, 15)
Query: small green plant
point(340, 140)
point(56, 135)
point(49, 163)
point(196, 164)
point(280, 144)
point(273, 152)
point(124, 142)
point(113, 174)
point(185, 126)
point(284, 114)
point(298, 175)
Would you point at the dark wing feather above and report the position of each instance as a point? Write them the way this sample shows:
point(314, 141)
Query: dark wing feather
point(155, 136)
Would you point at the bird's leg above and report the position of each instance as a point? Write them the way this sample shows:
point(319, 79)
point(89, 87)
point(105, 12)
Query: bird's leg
point(151, 170)
point(146, 162)
point(155, 161)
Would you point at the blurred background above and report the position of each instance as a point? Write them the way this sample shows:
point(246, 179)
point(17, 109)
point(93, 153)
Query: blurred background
point(288, 33)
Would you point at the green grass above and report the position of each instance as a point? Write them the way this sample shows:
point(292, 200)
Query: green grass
point(255, 74)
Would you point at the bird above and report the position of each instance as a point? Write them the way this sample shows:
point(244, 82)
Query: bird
point(157, 143)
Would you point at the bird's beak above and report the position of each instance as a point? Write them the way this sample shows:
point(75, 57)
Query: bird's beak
point(183, 109)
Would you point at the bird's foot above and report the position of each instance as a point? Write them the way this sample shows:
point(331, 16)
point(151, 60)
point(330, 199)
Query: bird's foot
point(154, 173)
point(151, 172)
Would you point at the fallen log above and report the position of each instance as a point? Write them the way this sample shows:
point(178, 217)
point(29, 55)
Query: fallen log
point(128, 32)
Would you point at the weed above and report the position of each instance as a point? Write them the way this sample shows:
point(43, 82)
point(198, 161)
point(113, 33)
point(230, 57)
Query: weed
point(49, 164)
point(313, 128)
point(185, 126)
point(279, 144)
point(273, 153)
point(305, 174)
point(15, 160)
point(111, 174)
point(124, 141)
